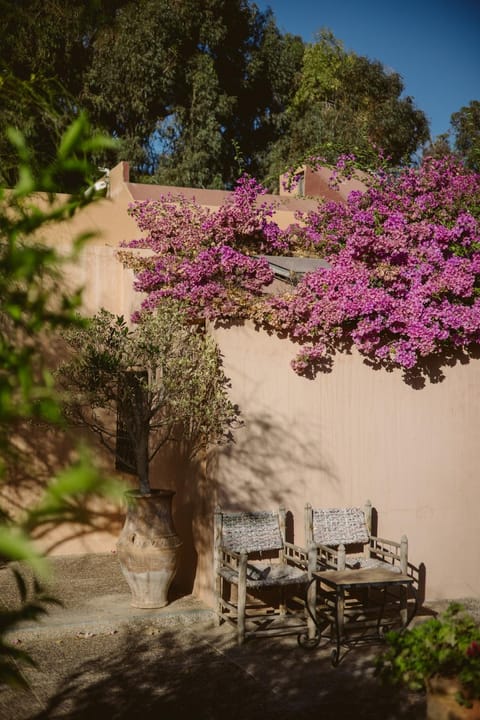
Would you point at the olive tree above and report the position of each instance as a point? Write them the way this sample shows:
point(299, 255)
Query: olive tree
point(141, 387)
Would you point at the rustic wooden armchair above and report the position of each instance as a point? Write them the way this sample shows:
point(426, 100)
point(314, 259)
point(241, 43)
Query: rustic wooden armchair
point(253, 561)
point(342, 539)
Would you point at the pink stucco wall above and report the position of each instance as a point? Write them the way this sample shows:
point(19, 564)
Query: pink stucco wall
point(346, 436)
point(358, 433)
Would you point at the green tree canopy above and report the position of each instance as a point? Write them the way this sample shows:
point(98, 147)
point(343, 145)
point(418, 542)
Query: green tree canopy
point(197, 90)
point(45, 51)
point(185, 85)
point(466, 132)
point(345, 102)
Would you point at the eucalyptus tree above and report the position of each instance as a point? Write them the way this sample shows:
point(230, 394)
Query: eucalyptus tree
point(186, 86)
point(197, 92)
point(347, 103)
point(466, 134)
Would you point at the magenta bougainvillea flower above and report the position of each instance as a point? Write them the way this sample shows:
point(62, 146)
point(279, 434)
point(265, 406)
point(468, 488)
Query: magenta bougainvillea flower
point(210, 260)
point(404, 281)
point(404, 277)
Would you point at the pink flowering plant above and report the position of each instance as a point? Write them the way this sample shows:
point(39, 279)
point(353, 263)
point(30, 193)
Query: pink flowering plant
point(209, 260)
point(404, 276)
point(403, 282)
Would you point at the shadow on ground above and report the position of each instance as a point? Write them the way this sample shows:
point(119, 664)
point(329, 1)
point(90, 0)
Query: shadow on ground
point(199, 672)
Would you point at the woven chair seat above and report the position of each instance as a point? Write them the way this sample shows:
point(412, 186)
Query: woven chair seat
point(360, 563)
point(262, 574)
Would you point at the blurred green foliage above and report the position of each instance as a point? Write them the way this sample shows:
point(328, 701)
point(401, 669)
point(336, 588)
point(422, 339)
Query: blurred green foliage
point(33, 304)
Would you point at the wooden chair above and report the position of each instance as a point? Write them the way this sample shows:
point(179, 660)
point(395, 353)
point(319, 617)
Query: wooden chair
point(342, 539)
point(252, 559)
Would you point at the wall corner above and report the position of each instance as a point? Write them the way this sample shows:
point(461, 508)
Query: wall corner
point(119, 176)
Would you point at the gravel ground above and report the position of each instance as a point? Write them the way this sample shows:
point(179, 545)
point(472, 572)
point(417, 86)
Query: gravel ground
point(97, 657)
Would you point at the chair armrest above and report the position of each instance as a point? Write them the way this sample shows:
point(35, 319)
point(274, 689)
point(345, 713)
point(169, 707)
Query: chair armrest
point(330, 559)
point(379, 541)
point(390, 551)
point(229, 558)
point(296, 555)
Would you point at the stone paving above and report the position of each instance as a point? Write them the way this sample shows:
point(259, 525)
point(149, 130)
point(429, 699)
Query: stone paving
point(97, 657)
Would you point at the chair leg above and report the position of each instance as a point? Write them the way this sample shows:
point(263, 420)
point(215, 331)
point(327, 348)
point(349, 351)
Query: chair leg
point(219, 593)
point(312, 594)
point(242, 597)
point(404, 554)
point(311, 611)
point(404, 605)
point(340, 613)
point(217, 559)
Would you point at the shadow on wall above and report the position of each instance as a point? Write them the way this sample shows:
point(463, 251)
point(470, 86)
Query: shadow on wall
point(39, 454)
point(419, 575)
point(267, 465)
point(174, 470)
point(239, 478)
point(432, 368)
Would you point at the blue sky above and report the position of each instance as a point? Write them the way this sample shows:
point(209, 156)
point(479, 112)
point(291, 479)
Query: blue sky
point(433, 44)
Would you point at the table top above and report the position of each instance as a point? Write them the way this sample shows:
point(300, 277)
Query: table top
point(364, 576)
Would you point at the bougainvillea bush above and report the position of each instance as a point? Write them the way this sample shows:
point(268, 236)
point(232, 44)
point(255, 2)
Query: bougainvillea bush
point(404, 281)
point(210, 260)
point(404, 277)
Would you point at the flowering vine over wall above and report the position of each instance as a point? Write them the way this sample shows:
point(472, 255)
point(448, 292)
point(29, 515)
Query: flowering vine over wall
point(404, 276)
point(209, 260)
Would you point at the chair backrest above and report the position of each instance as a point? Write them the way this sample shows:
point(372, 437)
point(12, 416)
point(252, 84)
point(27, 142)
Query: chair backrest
point(250, 531)
point(340, 526)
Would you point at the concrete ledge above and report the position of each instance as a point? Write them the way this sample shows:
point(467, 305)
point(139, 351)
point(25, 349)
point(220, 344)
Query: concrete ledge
point(95, 599)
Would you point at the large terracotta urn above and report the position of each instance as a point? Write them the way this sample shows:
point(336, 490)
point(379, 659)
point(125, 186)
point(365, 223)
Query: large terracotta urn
point(148, 547)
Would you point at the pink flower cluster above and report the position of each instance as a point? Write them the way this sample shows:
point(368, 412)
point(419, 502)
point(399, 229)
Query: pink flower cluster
point(404, 281)
point(208, 259)
point(404, 276)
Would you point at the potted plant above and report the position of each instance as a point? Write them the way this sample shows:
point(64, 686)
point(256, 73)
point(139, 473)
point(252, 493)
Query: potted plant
point(442, 656)
point(139, 389)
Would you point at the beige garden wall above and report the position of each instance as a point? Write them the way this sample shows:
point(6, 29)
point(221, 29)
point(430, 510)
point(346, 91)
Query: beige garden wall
point(97, 270)
point(359, 433)
point(106, 283)
point(346, 436)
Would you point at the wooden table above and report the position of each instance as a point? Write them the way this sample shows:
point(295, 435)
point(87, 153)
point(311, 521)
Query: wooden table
point(339, 585)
